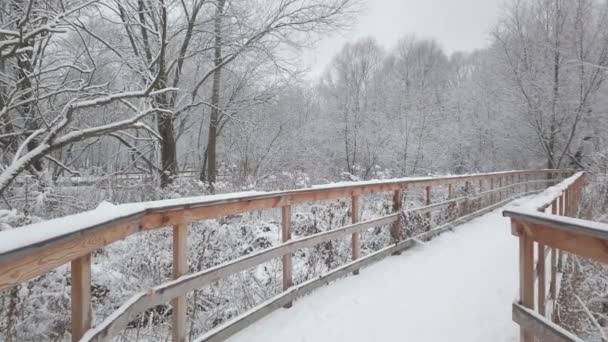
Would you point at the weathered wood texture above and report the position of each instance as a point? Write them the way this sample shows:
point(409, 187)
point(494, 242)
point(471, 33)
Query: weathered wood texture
point(81, 296)
point(180, 267)
point(558, 233)
point(163, 293)
point(545, 330)
point(24, 263)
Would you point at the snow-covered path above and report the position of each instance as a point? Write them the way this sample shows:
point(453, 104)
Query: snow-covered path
point(458, 287)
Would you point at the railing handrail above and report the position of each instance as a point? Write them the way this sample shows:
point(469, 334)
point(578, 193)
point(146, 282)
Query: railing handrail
point(556, 232)
point(573, 225)
point(53, 229)
point(32, 250)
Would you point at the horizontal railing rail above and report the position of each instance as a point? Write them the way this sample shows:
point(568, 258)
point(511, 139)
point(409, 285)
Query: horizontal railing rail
point(561, 232)
point(36, 249)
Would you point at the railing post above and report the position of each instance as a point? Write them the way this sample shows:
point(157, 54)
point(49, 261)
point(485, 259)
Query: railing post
point(500, 187)
point(180, 267)
point(396, 228)
point(356, 237)
point(449, 191)
point(526, 276)
point(541, 278)
point(567, 202)
point(428, 202)
point(81, 296)
point(526, 183)
point(561, 211)
point(513, 188)
point(491, 189)
point(553, 281)
point(286, 260)
point(480, 191)
point(467, 202)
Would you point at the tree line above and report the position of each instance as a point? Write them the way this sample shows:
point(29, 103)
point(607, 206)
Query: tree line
point(158, 86)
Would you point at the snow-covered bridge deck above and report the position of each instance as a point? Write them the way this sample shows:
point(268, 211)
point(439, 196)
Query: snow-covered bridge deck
point(457, 287)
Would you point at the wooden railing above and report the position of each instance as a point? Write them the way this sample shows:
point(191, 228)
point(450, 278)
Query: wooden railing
point(33, 250)
point(558, 232)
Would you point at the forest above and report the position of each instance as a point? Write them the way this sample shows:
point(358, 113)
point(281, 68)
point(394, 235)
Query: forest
point(105, 102)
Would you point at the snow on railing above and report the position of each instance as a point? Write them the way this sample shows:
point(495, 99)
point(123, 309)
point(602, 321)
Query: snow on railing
point(33, 250)
point(557, 232)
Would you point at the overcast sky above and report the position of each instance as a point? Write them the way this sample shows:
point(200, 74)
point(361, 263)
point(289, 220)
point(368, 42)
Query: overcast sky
point(458, 25)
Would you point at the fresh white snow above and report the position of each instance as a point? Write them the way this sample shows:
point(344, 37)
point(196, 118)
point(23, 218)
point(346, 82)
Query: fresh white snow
point(458, 287)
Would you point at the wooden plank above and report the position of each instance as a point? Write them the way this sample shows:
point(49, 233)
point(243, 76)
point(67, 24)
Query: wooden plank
point(543, 328)
point(526, 277)
point(583, 245)
point(286, 260)
point(356, 237)
point(500, 193)
point(19, 267)
point(540, 268)
point(575, 226)
point(427, 191)
point(396, 228)
point(81, 296)
point(553, 280)
point(179, 305)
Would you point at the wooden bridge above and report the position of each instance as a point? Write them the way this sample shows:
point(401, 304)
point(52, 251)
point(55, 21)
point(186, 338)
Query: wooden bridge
point(546, 230)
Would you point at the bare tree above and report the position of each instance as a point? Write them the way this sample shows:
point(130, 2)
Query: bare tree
point(553, 52)
point(47, 94)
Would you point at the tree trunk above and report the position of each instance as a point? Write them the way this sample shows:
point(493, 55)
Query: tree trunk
point(215, 97)
point(168, 150)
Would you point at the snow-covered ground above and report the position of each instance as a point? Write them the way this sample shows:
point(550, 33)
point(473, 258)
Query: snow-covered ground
point(458, 287)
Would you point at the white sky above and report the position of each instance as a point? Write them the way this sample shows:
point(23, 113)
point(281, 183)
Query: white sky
point(458, 25)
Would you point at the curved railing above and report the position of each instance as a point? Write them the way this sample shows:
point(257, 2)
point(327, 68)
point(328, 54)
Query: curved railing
point(33, 250)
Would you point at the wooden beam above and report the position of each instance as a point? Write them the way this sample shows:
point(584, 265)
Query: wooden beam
point(500, 193)
point(553, 280)
point(428, 202)
point(543, 328)
point(179, 305)
point(356, 237)
point(81, 296)
point(526, 277)
point(21, 267)
point(286, 259)
point(583, 245)
point(396, 228)
point(540, 268)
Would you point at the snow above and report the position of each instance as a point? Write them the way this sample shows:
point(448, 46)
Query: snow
point(405, 179)
point(34, 234)
point(548, 195)
point(458, 287)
